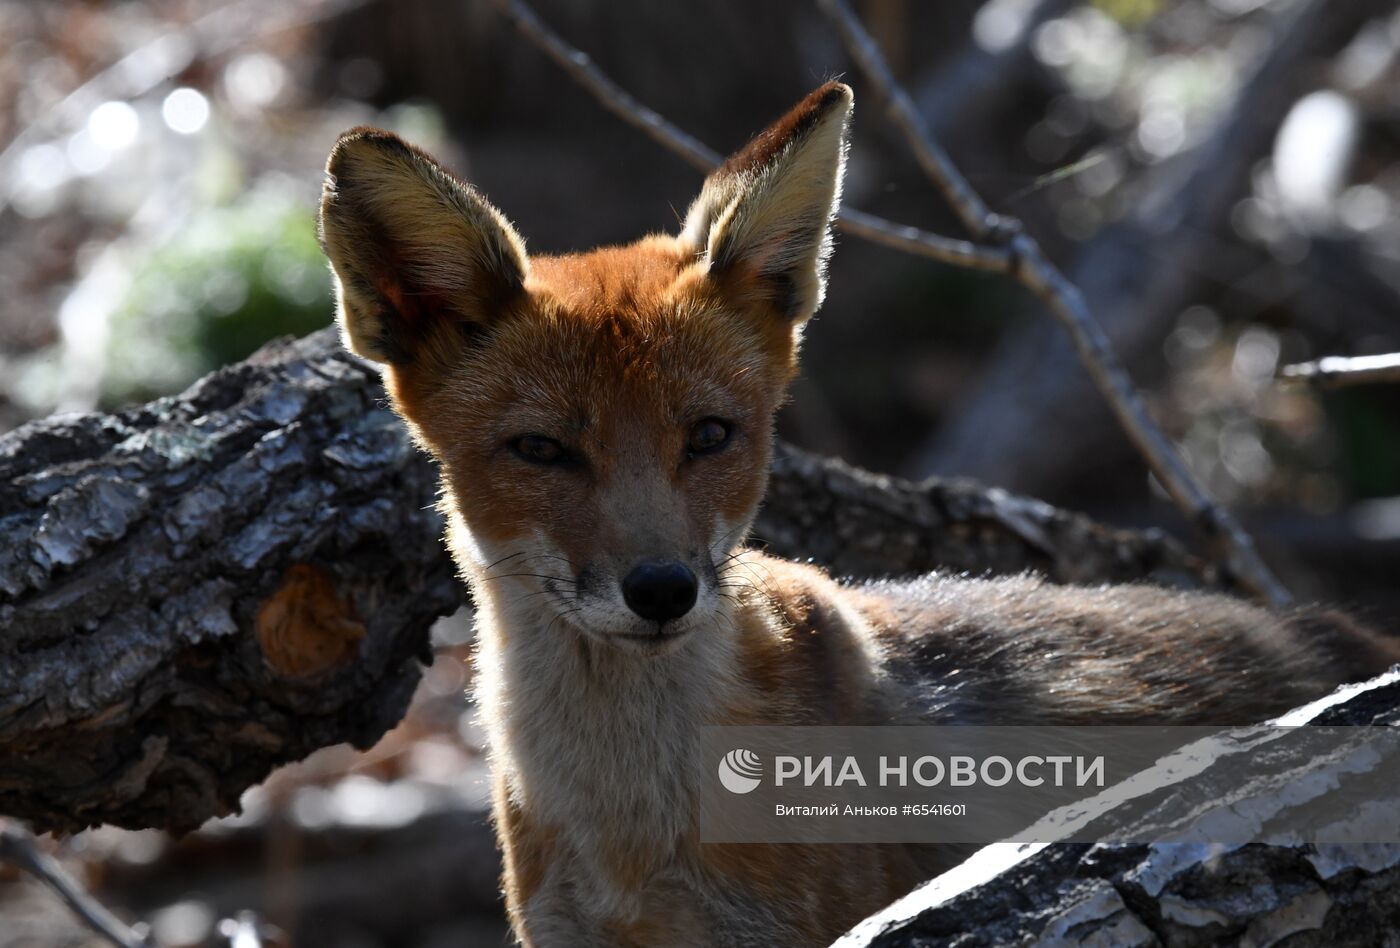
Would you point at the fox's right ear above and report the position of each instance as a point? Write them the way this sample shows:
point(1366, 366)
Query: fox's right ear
point(417, 254)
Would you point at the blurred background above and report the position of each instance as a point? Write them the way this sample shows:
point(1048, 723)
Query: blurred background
point(1220, 177)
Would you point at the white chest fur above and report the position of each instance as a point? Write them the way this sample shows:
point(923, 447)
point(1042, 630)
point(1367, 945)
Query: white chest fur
point(598, 746)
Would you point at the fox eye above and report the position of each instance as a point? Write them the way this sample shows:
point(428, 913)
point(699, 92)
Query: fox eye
point(707, 436)
point(539, 449)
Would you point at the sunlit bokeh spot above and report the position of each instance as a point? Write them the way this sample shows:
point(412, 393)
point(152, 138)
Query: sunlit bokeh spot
point(185, 110)
point(114, 125)
point(254, 80)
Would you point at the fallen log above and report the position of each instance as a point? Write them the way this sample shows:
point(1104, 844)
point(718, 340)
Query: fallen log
point(202, 588)
point(198, 590)
point(1138, 893)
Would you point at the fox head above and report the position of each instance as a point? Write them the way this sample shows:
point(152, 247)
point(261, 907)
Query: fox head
point(603, 420)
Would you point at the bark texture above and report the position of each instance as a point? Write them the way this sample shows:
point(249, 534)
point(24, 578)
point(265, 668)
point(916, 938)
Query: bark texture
point(1184, 893)
point(201, 589)
point(196, 591)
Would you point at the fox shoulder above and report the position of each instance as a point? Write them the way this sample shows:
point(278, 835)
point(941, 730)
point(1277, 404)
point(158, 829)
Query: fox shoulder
point(815, 659)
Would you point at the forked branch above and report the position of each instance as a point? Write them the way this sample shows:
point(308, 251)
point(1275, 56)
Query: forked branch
point(617, 100)
point(1034, 270)
point(999, 245)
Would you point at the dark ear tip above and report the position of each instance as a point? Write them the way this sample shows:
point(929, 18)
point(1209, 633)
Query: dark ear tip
point(831, 94)
point(816, 107)
point(825, 99)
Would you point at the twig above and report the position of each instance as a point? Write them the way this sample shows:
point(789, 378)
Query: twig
point(1341, 371)
point(609, 94)
point(625, 106)
point(975, 215)
point(17, 847)
point(1034, 270)
point(1015, 253)
point(950, 250)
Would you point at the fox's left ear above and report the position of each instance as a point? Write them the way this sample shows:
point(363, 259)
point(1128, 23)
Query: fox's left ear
point(763, 220)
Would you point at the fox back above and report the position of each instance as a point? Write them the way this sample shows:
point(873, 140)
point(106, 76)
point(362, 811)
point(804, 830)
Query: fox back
point(603, 426)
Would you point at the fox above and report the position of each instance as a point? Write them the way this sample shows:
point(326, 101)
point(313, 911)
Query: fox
point(602, 423)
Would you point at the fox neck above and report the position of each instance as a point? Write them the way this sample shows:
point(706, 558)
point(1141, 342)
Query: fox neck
point(598, 743)
point(540, 681)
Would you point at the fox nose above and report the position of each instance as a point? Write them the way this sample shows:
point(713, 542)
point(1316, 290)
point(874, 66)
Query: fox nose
point(660, 591)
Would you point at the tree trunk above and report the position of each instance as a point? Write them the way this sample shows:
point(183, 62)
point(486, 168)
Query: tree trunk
point(198, 590)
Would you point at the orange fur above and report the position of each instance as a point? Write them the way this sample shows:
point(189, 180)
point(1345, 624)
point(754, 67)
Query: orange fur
point(617, 358)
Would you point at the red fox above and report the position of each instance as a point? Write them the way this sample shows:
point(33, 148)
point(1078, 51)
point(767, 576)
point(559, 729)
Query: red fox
point(603, 426)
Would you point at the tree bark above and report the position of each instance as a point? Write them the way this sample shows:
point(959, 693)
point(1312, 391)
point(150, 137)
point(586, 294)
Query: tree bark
point(1129, 894)
point(198, 590)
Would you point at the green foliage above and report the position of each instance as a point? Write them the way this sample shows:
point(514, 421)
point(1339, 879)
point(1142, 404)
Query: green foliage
point(1130, 13)
point(231, 280)
point(1365, 420)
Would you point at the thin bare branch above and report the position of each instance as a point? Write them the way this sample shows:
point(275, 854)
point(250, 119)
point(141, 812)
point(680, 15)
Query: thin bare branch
point(609, 94)
point(974, 213)
point(1014, 253)
point(18, 847)
point(912, 240)
point(1341, 371)
point(625, 106)
point(1033, 269)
